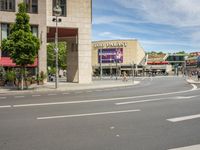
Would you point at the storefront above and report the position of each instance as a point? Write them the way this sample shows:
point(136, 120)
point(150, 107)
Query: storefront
point(114, 57)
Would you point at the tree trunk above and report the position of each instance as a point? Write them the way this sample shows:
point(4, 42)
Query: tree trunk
point(22, 78)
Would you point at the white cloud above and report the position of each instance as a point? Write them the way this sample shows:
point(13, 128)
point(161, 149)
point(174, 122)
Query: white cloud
point(170, 12)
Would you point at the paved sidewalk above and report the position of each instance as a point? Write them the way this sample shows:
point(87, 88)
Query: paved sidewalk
point(64, 86)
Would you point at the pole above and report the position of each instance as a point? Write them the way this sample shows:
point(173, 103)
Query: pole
point(101, 64)
point(110, 68)
point(116, 68)
point(56, 51)
point(132, 72)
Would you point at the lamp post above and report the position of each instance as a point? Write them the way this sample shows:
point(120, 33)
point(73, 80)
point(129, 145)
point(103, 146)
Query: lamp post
point(101, 72)
point(132, 71)
point(110, 67)
point(57, 12)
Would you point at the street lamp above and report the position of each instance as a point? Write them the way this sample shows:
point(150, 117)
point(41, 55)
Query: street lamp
point(132, 71)
point(101, 71)
point(57, 12)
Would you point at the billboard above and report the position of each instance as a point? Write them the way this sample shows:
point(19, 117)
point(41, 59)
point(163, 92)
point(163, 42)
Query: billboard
point(110, 55)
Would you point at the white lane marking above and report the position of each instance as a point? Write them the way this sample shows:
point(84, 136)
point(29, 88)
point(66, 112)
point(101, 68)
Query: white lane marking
point(65, 93)
point(101, 100)
point(3, 97)
point(193, 147)
point(5, 106)
point(89, 114)
point(19, 96)
point(186, 97)
point(194, 87)
point(52, 94)
point(184, 118)
point(141, 101)
point(156, 99)
point(36, 95)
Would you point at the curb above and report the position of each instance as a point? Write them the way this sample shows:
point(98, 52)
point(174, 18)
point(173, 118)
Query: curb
point(87, 87)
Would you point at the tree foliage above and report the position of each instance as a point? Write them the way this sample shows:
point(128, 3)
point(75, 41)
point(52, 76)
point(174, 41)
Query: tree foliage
point(62, 55)
point(21, 44)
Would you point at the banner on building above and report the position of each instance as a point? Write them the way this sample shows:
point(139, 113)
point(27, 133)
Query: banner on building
point(111, 55)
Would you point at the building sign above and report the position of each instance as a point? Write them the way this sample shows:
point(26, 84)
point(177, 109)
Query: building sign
point(110, 45)
point(110, 55)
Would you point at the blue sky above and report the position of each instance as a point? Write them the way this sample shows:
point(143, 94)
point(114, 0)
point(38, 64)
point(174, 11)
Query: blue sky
point(159, 25)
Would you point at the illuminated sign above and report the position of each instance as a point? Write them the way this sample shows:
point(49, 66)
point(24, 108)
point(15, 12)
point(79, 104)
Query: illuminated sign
point(110, 55)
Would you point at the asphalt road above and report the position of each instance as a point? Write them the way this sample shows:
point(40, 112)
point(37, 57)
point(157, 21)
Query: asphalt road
point(158, 114)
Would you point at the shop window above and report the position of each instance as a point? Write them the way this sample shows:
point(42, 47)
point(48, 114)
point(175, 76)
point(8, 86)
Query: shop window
point(62, 4)
point(32, 6)
point(7, 5)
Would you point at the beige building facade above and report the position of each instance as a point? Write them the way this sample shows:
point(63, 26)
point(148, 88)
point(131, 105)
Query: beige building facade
point(117, 56)
point(74, 27)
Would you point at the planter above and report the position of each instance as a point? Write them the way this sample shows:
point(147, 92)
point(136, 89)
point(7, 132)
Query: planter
point(2, 83)
point(27, 83)
point(40, 82)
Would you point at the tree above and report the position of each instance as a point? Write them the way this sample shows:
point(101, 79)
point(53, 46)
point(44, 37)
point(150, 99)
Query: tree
point(21, 44)
point(62, 56)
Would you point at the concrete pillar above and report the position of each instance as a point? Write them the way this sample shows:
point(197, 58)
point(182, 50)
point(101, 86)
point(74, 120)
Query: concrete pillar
point(85, 54)
point(72, 60)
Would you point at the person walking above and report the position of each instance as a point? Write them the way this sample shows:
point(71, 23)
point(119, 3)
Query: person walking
point(198, 75)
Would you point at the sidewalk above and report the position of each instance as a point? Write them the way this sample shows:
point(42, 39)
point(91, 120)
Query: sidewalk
point(65, 86)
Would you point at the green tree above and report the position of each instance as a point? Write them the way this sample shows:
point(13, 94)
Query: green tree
point(62, 56)
point(21, 44)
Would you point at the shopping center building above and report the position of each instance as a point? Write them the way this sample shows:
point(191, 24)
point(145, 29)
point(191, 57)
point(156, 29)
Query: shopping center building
point(115, 57)
point(74, 27)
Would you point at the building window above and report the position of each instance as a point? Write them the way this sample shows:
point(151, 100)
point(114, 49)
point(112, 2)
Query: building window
point(7, 5)
point(5, 30)
point(34, 30)
point(62, 4)
point(32, 6)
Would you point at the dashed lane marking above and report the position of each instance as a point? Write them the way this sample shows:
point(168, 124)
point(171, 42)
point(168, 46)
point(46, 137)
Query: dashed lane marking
point(65, 93)
point(5, 106)
point(89, 114)
point(193, 147)
point(36, 95)
point(184, 118)
point(51, 94)
point(156, 99)
point(19, 96)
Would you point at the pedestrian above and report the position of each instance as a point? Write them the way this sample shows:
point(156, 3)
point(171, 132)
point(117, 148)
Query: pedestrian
point(124, 76)
point(198, 75)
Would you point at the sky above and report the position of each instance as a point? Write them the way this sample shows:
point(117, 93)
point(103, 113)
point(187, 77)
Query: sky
point(159, 25)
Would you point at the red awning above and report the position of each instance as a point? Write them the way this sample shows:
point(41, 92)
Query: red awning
point(158, 63)
point(8, 62)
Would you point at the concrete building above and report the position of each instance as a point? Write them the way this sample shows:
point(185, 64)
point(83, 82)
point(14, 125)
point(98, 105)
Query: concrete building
point(172, 64)
point(117, 56)
point(74, 28)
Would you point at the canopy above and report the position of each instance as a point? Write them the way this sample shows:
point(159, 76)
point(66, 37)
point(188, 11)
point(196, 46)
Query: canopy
point(8, 62)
